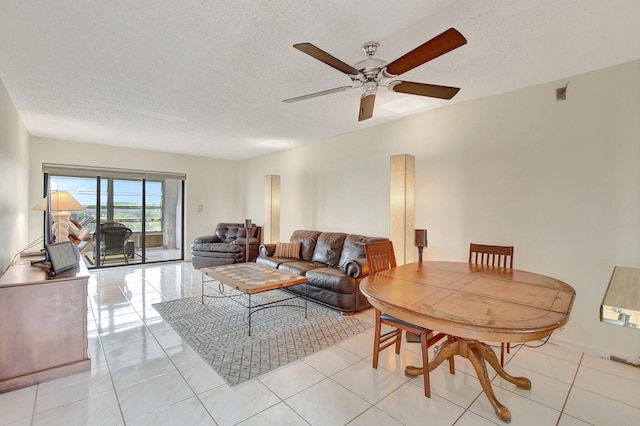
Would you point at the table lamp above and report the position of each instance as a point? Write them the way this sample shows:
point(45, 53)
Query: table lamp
point(61, 204)
point(421, 242)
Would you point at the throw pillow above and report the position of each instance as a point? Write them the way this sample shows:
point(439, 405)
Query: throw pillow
point(290, 250)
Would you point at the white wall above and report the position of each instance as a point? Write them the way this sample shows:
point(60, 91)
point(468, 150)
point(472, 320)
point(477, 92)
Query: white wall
point(211, 183)
point(558, 180)
point(14, 174)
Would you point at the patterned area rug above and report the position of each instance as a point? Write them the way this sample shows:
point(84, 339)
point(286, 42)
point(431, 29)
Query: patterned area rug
point(218, 331)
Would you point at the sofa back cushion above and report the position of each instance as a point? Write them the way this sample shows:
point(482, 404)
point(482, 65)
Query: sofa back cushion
point(353, 248)
point(328, 248)
point(228, 232)
point(307, 240)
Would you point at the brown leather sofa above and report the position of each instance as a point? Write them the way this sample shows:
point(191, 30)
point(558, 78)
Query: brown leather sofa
point(226, 246)
point(333, 263)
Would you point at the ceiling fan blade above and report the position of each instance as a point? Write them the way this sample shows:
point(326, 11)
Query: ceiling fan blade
point(422, 89)
point(315, 95)
point(439, 45)
point(323, 56)
point(366, 107)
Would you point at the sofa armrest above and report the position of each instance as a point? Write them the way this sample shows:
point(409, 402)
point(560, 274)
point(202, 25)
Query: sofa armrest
point(357, 268)
point(207, 239)
point(267, 250)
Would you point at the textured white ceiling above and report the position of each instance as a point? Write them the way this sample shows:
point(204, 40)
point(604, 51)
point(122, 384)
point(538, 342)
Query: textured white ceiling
point(206, 77)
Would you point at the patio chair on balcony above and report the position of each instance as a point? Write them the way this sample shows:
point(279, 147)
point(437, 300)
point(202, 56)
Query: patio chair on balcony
point(113, 240)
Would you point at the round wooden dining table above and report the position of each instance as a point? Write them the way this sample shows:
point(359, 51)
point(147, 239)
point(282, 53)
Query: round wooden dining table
point(472, 304)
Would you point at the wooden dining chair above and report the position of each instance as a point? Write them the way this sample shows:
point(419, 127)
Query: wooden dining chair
point(500, 256)
point(481, 254)
point(381, 257)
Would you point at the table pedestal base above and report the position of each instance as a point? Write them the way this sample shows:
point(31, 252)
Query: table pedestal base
point(478, 353)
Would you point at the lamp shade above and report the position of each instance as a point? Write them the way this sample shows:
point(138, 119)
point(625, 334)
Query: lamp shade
point(42, 205)
point(421, 237)
point(60, 201)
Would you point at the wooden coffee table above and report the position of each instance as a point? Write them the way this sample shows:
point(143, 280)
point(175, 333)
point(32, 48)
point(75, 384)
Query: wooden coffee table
point(248, 279)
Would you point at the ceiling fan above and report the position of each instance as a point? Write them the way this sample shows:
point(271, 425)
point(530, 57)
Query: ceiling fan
point(372, 72)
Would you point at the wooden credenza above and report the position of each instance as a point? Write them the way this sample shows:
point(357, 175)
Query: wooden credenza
point(43, 325)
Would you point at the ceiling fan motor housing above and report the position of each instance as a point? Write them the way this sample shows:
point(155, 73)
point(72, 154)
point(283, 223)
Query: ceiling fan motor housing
point(370, 69)
point(370, 48)
point(370, 88)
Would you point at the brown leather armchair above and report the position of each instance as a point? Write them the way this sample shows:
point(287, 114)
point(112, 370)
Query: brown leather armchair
point(227, 245)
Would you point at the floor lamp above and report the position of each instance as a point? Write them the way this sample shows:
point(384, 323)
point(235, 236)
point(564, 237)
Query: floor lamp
point(247, 229)
point(402, 206)
point(61, 204)
point(271, 208)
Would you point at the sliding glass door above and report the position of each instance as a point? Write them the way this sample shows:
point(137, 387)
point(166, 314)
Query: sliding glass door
point(127, 219)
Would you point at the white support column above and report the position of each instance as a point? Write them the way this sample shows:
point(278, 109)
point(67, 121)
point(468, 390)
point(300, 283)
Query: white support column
point(402, 207)
point(271, 232)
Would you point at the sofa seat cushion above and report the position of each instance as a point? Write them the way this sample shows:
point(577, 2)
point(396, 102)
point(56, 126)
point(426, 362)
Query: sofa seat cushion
point(217, 247)
point(272, 262)
point(331, 279)
point(216, 254)
point(207, 262)
point(342, 301)
point(300, 267)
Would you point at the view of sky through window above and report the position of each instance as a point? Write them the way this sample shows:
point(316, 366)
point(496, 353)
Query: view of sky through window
point(127, 200)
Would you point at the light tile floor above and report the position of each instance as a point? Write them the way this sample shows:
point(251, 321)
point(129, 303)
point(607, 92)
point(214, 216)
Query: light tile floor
point(143, 374)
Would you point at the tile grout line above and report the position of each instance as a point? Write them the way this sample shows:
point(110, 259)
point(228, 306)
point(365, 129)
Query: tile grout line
point(108, 364)
point(33, 411)
point(570, 390)
point(99, 337)
point(164, 350)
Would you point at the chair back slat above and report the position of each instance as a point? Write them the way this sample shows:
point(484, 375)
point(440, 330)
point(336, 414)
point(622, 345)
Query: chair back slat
point(500, 256)
point(380, 256)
